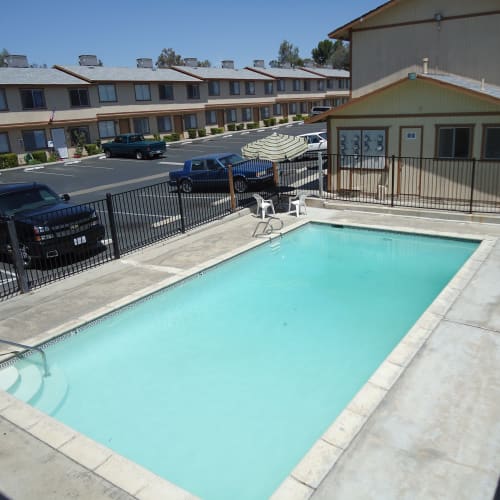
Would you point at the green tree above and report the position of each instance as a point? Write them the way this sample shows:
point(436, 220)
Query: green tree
point(288, 54)
point(323, 53)
point(340, 57)
point(3, 56)
point(204, 64)
point(168, 58)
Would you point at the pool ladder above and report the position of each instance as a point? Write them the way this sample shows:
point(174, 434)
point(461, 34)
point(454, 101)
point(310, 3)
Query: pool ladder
point(30, 348)
point(269, 228)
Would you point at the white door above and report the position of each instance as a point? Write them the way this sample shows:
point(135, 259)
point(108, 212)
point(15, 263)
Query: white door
point(59, 141)
point(410, 163)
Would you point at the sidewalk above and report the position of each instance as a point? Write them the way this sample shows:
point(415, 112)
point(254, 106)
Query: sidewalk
point(433, 433)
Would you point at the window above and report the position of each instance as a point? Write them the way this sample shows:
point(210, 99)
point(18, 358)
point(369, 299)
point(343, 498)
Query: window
point(34, 139)
point(164, 124)
point(107, 129)
point(246, 114)
point(330, 84)
point(4, 143)
point(213, 87)
point(193, 91)
point(268, 88)
point(281, 85)
point(250, 88)
point(296, 85)
point(454, 142)
point(107, 92)
point(3, 100)
point(231, 115)
point(293, 108)
point(76, 132)
point(211, 117)
point(141, 125)
point(33, 99)
point(265, 112)
point(190, 121)
point(142, 92)
point(277, 111)
point(234, 88)
point(491, 143)
point(307, 85)
point(79, 98)
point(321, 85)
point(166, 92)
point(303, 107)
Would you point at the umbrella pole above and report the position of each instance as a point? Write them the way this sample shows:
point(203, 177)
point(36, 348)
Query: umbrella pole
point(275, 174)
point(231, 187)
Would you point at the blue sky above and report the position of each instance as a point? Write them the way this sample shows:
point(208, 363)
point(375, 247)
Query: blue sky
point(58, 31)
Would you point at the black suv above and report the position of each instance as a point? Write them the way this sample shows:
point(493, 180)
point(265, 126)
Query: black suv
point(47, 225)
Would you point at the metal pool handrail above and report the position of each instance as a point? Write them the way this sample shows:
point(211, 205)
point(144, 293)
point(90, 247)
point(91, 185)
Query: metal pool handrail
point(30, 348)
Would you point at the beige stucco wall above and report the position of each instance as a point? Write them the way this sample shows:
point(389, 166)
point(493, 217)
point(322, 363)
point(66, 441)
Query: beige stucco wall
point(465, 46)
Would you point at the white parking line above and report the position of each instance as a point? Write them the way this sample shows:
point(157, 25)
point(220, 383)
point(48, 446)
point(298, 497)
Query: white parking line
point(53, 173)
point(154, 216)
point(30, 169)
point(166, 221)
point(222, 200)
point(227, 136)
point(7, 272)
point(245, 133)
point(187, 142)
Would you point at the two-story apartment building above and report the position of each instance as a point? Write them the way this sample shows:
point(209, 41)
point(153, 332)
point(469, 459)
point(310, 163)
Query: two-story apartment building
point(96, 102)
point(424, 83)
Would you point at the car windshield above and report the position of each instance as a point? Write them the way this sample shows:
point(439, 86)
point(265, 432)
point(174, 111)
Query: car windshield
point(29, 199)
point(232, 159)
point(323, 135)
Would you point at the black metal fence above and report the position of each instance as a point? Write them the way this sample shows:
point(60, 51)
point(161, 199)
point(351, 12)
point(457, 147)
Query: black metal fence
point(81, 237)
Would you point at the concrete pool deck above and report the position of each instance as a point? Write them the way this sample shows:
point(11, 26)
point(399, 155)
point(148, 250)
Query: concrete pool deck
point(426, 425)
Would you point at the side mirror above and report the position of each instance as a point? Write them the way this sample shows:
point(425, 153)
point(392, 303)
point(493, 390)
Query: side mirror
point(65, 197)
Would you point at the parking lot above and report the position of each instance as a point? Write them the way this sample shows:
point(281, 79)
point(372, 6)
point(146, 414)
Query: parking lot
point(146, 208)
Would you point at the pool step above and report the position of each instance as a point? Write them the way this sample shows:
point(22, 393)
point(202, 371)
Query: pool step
point(53, 393)
point(8, 377)
point(28, 383)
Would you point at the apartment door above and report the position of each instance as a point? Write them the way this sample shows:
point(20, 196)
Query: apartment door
point(124, 125)
point(220, 118)
point(178, 124)
point(59, 142)
point(410, 161)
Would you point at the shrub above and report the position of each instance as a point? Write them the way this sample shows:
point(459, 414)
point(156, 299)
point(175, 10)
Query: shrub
point(91, 149)
point(202, 132)
point(216, 130)
point(297, 118)
point(284, 119)
point(39, 156)
point(156, 137)
point(174, 136)
point(240, 126)
point(231, 127)
point(53, 157)
point(252, 125)
point(191, 133)
point(8, 160)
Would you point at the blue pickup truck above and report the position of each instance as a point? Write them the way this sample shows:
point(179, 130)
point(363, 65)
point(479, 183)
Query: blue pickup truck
point(133, 145)
point(210, 171)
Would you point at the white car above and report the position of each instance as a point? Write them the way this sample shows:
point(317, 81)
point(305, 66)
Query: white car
point(316, 141)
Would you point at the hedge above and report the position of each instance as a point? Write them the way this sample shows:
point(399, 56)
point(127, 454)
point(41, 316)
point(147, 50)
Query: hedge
point(8, 160)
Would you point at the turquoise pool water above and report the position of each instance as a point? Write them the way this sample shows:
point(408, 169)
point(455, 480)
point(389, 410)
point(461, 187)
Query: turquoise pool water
point(222, 383)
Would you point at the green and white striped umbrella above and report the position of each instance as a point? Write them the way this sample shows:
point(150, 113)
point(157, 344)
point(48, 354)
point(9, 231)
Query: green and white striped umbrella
point(275, 147)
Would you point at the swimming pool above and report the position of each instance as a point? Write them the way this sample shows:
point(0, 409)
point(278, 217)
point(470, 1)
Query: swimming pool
point(222, 383)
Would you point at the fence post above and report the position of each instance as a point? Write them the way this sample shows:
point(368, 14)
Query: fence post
point(181, 210)
point(231, 187)
point(21, 276)
point(472, 182)
point(112, 226)
point(320, 173)
point(393, 163)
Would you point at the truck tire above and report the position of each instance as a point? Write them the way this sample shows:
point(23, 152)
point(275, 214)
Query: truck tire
point(139, 155)
point(240, 185)
point(186, 186)
point(108, 153)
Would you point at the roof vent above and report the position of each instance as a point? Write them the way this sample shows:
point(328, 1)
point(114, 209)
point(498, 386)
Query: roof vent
point(425, 65)
point(228, 64)
point(16, 61)
point(192, 62)
point(258, 63)
point(145, 62)
point(482, 85)
point(88, 60)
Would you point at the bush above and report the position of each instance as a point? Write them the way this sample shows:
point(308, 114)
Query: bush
point(240, 126)
point(252, 125)
point(8, 160)
point(174, 136)
point(284, 119)
point(297, 118)
point(39, 156)
point(191, 133)
point(91, 149)
point(231, 127)
point(53, 157)
point(156, 137)
point(202, 132)
point(216, 130)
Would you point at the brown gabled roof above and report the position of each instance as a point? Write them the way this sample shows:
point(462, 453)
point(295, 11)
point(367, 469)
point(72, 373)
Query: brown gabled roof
point(344, 32)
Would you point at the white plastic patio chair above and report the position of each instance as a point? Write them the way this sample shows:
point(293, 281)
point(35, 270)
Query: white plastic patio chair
point(298, 203)
point(263, 205)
